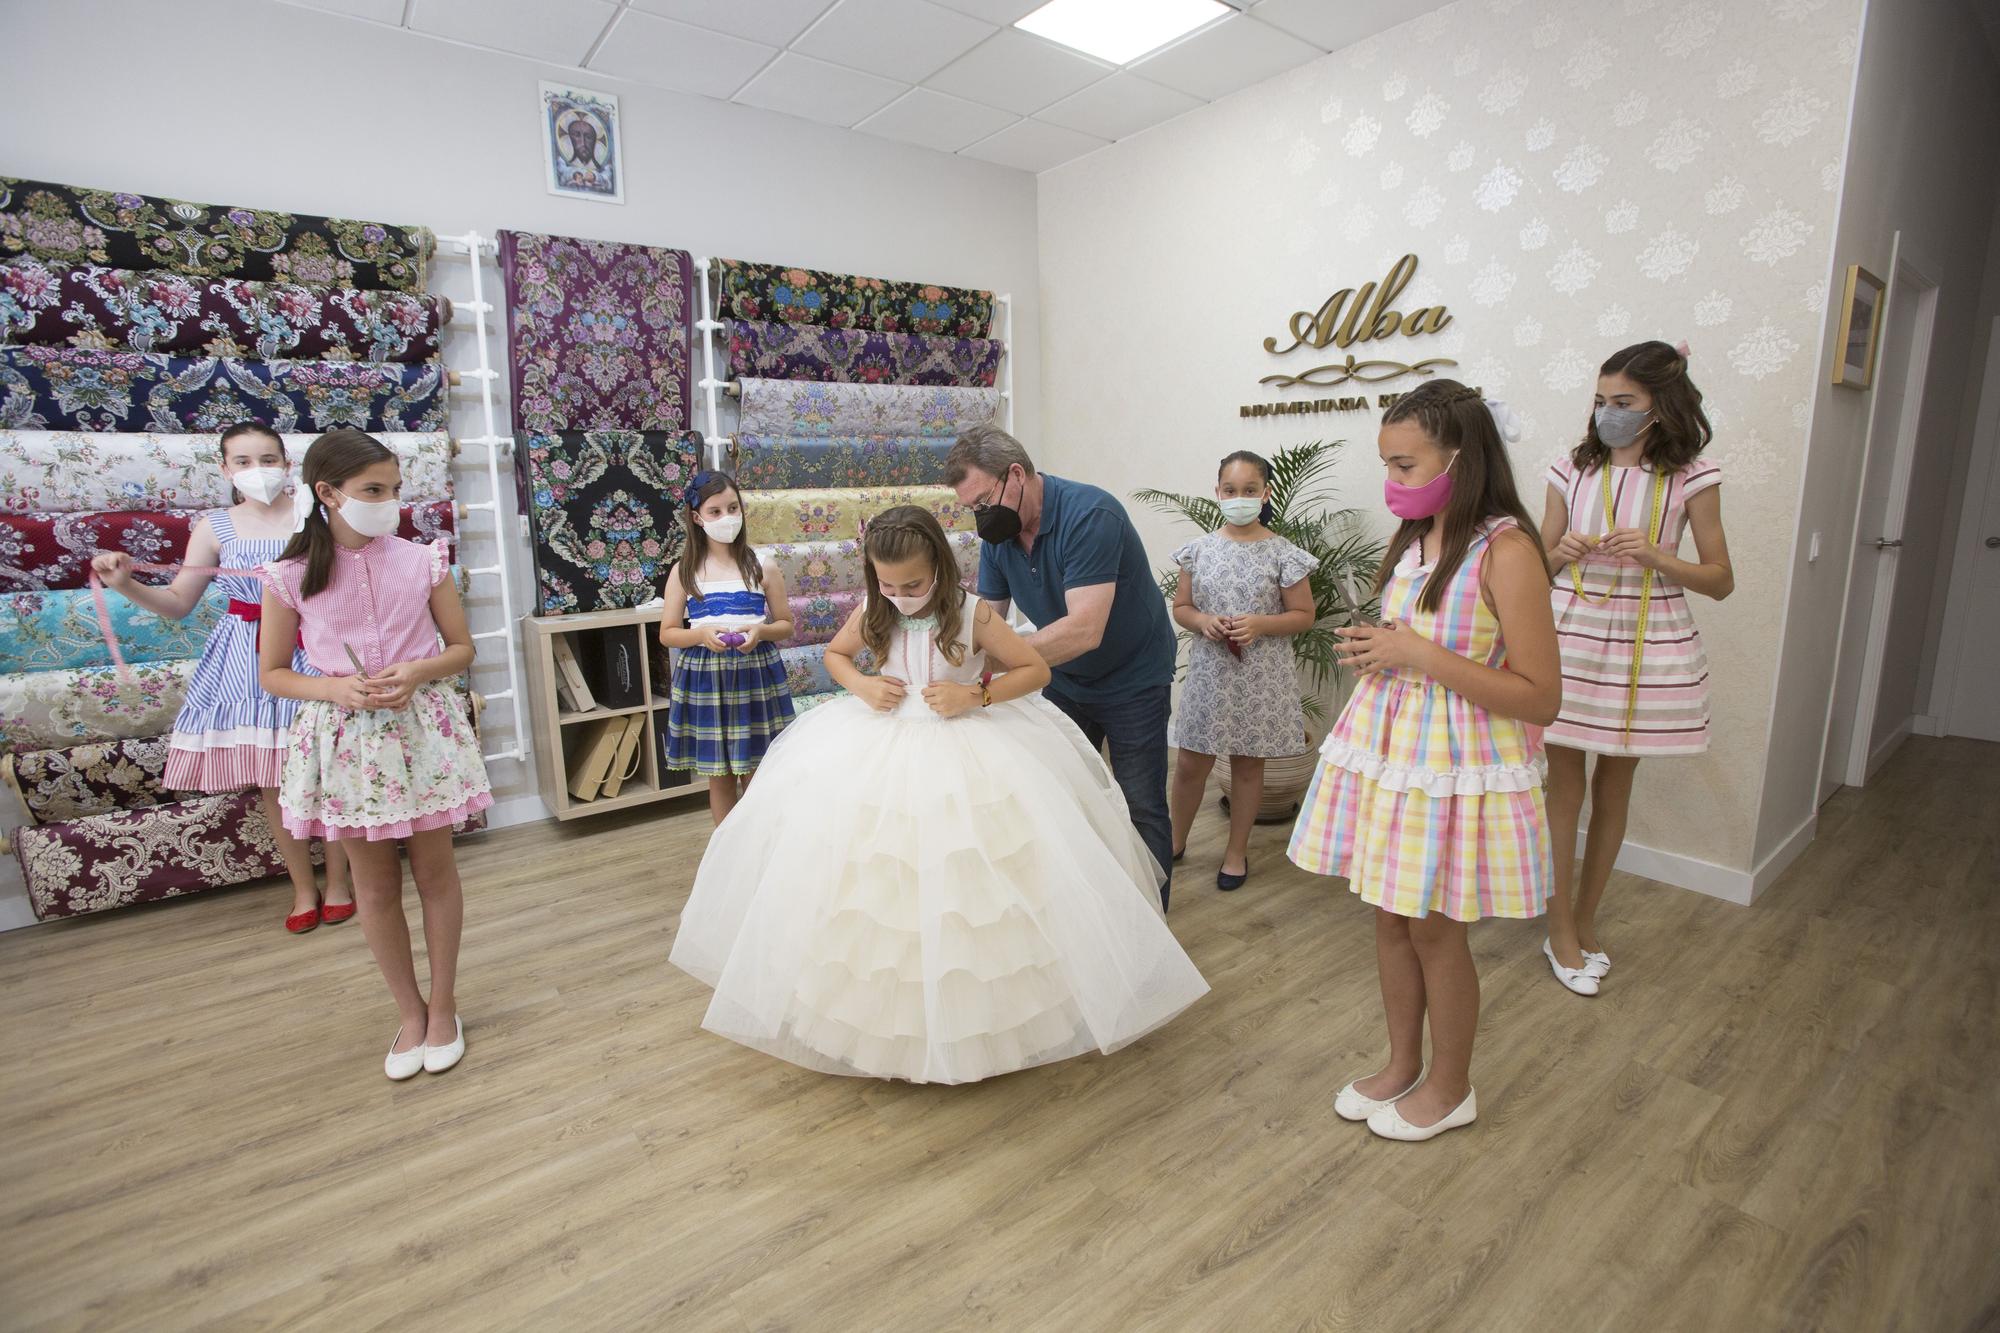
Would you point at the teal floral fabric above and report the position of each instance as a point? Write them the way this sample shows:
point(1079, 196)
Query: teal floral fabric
point(797, 462)
point(49, 631)
point(605, 512)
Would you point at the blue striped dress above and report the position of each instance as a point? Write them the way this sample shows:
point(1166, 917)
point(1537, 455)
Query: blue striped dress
point(726, 708)
point(229, 734)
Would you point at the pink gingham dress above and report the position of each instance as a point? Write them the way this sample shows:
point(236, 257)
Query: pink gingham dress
point(376, 773)
point(1425, 801)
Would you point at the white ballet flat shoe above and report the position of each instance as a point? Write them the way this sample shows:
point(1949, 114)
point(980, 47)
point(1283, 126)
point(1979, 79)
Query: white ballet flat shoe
point(1596, 964)
point(1577, 979)
point(1389, 1123)
point(1352, 1105)
point(437, 1059)
point(399, 1065)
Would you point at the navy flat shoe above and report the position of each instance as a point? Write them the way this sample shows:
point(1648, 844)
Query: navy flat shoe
point(1229, 883)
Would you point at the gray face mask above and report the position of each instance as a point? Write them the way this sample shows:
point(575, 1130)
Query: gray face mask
point(1619, 426)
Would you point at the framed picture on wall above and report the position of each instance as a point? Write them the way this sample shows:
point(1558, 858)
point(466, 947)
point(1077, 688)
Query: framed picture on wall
point(583, 144)
point(1860, 328)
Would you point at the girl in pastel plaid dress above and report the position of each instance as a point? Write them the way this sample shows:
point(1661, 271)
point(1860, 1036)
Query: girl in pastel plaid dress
point(1428, 797)
point(725, 616)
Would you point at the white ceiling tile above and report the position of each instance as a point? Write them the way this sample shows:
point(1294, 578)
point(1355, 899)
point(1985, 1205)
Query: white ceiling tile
point(831, 94)
point(1033, 146)
point(898, 39)
point(1021, 73)
point(1232, 54)
point(674, 55)
point(1333, 26)
point(560, 33)
point(773, 22)
point(935, 120)
point(382, 11)
point(997, 12)
point(1120, 105)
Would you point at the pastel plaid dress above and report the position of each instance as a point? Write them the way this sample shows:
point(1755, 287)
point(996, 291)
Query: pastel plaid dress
point(1424, 800)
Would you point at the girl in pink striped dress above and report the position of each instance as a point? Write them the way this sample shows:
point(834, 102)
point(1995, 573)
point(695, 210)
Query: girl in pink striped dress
point(1428, 797)
point(1635, 679)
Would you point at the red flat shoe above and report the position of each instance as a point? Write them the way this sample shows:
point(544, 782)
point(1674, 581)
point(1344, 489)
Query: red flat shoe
point(301, 922)
point(332, 914)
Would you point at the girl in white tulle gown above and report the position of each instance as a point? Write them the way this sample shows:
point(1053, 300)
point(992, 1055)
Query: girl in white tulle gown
point(934, 879)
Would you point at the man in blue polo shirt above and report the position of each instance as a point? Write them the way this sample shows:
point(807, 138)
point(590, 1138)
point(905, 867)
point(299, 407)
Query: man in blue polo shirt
point(1069, 557)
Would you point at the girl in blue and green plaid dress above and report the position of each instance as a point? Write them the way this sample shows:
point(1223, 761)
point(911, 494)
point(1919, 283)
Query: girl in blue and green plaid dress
point(725, 615)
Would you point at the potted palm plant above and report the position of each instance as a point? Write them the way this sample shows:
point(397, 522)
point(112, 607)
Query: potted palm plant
point(1304, 512)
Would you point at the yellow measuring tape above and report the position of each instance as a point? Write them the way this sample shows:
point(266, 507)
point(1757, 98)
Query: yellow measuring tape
point(1655, 521)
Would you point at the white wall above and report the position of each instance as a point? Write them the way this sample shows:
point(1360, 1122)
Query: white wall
point(1574, 177)
point(1925, 90)
point(267, 105)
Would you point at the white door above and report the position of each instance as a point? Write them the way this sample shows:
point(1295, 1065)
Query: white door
point(1968, 682)
point(1853, 748)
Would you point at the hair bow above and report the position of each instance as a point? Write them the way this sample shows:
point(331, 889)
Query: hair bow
point(691, 496)
point(303, 504)
point(1682, 348)
point(1504, 420)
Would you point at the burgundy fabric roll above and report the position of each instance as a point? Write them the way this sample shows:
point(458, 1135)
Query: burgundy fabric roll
point(79, 781)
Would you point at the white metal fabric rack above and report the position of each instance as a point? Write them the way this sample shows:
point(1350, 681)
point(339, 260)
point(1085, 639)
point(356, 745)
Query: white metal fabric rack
point(1006, 303)
point(473, 247)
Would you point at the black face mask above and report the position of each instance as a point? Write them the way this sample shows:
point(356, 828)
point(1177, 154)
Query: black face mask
point(997, 522)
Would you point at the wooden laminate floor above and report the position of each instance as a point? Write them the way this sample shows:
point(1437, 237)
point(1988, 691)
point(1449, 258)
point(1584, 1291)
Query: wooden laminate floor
point(1780, 1117)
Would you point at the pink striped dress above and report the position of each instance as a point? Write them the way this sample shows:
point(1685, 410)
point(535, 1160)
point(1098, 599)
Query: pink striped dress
point(1670, 706)
point(1425, 801)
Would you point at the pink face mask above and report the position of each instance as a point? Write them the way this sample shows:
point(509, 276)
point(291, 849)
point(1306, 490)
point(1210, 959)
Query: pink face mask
point(1414, 502)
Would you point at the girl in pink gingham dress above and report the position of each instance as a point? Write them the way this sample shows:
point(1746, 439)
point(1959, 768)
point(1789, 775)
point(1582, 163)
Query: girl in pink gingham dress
point(380, 751)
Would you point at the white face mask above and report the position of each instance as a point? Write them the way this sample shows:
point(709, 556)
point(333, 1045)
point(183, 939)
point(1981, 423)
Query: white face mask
point(910, 606)
point(723, 529)
point(1240, 511)
point(262, 484)
point(371, 518)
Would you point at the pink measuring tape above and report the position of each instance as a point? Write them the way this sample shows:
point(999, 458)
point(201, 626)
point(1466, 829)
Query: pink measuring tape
point(148, 567)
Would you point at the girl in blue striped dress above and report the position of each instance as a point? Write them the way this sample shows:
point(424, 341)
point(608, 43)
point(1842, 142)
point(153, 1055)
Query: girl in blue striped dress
point(725, 614)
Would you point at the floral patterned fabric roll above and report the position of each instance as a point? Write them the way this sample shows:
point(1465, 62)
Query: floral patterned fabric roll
point(139, 856)
point(820, 569)
point(787, 407)
point(844, 301)
point(818, 618)
point(859, 356)
point(832, 515)
point(51, 631)
point(805, 670)
point(66, 472)
point(793, 461)
point(605, 508)
point(48, 710)
point(83, 780)
point(47, 552)
point(66, 224)
point(128, 310)
point(68, 388)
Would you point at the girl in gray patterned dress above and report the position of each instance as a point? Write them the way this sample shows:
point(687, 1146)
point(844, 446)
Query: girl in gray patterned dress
point(1243, 592)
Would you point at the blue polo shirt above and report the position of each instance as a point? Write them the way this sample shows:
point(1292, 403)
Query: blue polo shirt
point(1086, 538)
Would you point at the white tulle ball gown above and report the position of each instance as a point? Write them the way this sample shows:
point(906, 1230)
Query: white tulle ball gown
point(904, 896)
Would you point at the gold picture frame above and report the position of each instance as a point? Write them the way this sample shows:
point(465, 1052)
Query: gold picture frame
point(1854, 350)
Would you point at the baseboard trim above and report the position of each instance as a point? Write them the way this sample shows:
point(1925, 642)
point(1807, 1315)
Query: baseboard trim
point(1880, 754)
point(1705, 877)
point(1926, 725)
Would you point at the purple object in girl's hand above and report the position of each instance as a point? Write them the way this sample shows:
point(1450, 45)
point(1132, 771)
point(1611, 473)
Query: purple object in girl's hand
point(732, 638)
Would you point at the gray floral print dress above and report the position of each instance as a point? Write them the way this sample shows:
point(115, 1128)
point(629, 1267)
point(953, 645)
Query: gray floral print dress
point(1249, 705)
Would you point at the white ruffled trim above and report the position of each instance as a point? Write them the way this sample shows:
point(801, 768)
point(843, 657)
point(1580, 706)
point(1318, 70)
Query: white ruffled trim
point(1455, 782)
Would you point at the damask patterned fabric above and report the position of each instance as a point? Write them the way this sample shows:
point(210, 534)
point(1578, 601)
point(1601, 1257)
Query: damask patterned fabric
point(138, 856)
point(844, 301)
point(817, 619)
point(787, 407)
point(597, 333)
point(114, 308)
point(786, 461)
point(70, 225)
point(605, 507)
point(95, 779)
point(47, 710)
point(831, 515)
point(69, 388)
point(66, 472)
point(50, 631)
point(46, 552)
point(818, 569)
point(805, 670)
point(859, 356)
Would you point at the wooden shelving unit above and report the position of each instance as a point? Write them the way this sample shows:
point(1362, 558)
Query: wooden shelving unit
point(563, 732)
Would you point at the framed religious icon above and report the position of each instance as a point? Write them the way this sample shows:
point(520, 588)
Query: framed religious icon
point(1860, 328)
point(583, 144)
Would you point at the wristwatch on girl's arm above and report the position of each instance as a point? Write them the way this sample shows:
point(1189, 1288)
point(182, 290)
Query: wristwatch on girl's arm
point(986, 689)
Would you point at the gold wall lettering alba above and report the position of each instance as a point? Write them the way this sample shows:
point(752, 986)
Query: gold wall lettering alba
point(1350, 316)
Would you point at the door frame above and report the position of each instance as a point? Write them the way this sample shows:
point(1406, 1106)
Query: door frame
point(1911, 276)
point(1981, 478)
